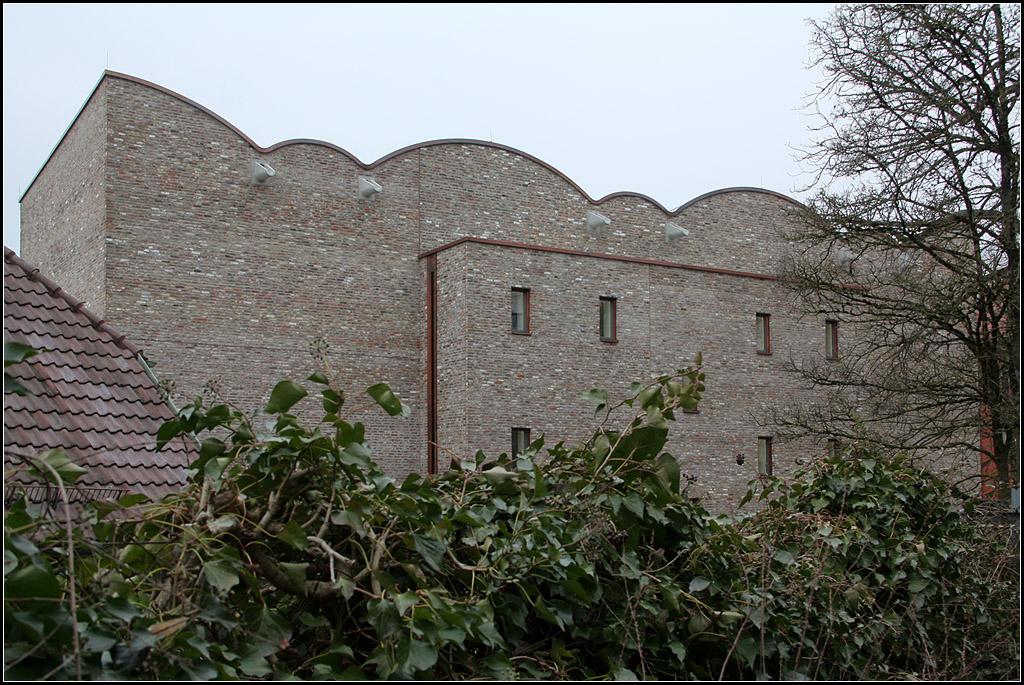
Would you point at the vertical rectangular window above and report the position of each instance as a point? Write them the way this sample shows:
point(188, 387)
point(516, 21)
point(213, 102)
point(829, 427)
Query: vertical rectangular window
point(608, 319)
point(834, 448)
point(832, 340)
point(520, 441)
point(764, 342)
point(521, 310)
point(764, 456)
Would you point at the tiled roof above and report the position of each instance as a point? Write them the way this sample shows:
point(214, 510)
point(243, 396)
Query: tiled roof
point(90, 394)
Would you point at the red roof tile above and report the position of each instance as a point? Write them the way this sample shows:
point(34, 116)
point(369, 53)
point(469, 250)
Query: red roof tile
point(90, 395)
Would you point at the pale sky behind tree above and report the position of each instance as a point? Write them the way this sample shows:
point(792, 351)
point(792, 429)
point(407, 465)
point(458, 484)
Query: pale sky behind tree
point(668, 100)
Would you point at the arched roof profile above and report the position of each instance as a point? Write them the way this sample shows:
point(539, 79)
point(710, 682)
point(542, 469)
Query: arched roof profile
point(397, 153)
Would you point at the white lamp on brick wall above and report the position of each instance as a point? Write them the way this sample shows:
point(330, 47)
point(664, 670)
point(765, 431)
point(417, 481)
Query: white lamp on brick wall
point(844, 258)
point(367, 188)
point(905, 263)
point(673, 233)
point(595, 222)
point(262, 173)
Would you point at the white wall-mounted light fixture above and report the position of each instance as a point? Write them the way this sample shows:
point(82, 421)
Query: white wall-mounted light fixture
point(595, 222)
point(673, 233)
point(367, 188)
point(262, 173)
point(844, 258)
point(905, 263)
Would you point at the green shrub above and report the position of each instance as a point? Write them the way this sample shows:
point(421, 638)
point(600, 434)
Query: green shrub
point(293, 555)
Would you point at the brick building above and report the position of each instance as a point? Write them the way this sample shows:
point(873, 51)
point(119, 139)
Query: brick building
point(483, 285)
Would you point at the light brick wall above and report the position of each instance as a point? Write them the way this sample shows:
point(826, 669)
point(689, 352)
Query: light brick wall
point(664, 317)
point(63, 213)
point(217, 278)
point(453, 326)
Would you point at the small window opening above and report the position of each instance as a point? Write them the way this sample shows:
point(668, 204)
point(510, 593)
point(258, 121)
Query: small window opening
point(764, 343)
point(520, 441)
point(521, 310)
point(608, 319)
point(765, 463)
point(832, 340)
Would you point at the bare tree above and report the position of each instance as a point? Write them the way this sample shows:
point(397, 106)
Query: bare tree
point(916, 230)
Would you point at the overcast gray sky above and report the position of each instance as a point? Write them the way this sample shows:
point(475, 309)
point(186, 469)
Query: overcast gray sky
point(668, 100)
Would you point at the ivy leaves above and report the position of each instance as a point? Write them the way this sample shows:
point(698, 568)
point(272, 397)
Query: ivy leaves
point(295, 555)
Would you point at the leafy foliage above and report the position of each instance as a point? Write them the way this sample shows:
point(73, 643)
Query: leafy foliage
point(294, 555)
point(14, 353)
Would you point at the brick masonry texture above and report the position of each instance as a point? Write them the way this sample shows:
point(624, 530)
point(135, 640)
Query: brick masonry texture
point(148, 208)
point(67, 218)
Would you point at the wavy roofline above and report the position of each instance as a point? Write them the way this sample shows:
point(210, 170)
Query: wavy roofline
point(401, 151)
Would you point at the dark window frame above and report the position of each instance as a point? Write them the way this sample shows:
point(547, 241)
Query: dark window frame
point(764, 337)
point(769, 458)
point(614, 325)
point(525, 329)
point(831, 339)
point(835, 448)
point(516, 431)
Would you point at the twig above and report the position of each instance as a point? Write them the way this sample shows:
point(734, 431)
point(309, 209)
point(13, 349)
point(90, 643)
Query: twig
point(378, 552)
point(332, 555)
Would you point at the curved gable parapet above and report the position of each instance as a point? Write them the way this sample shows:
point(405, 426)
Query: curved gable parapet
point(398, 153)
point(737, 189)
